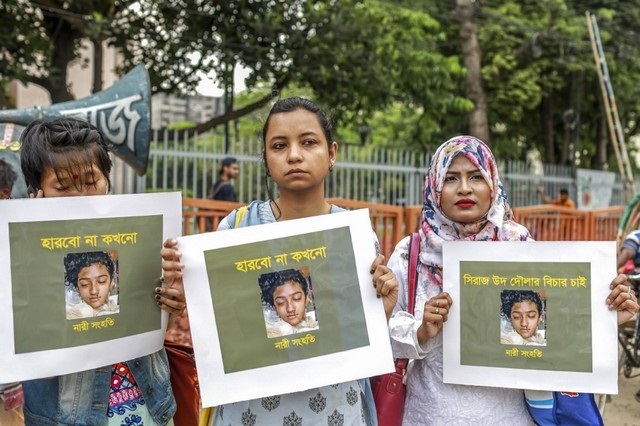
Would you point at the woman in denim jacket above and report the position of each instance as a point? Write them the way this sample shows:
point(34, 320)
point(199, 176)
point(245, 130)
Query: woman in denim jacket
point(68, 157)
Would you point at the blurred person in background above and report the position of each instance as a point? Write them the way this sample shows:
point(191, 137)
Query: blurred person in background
point(222, 188)
point(7, 179)
point(562, 200)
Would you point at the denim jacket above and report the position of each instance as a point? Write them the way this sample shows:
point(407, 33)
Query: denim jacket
point(83, 398)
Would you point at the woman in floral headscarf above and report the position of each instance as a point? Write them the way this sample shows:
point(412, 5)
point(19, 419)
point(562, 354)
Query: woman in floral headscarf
point(463, 200)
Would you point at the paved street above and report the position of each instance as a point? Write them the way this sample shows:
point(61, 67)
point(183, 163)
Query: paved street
point(623, 409)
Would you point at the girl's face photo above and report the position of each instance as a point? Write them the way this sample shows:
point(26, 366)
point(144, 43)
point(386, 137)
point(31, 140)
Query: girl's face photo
point(79, 181)
point(297, 153)
point(525, 318)
point(94, 284)
point(290, 302)
point(466, 196)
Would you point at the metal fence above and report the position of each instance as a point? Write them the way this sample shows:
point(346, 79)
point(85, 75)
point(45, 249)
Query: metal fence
point(387, 176)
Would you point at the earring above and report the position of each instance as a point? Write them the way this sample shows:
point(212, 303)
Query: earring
point(330, 168)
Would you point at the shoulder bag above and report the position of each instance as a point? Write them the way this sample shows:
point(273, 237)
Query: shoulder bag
point(389, 389)
point(214, 190)
point(184, 383)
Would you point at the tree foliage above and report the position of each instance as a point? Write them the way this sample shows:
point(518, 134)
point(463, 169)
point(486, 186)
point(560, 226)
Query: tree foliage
point(23, 46)
point(392, 72)
point(539, 71)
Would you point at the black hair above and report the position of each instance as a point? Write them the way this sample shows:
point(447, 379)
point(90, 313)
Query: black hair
point(511, 297)
point(7, 175)
point(272, 280)
point(294, 104)
point(74, 262)
point(62, 144)
point(227, 161)
point(290, 105)
point(564, 191)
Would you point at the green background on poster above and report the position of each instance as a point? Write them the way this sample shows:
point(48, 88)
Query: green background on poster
point(238, 308)
point(37, 274)
point(567, 321)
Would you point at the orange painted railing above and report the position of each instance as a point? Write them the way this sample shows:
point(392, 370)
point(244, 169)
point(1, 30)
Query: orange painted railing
point(553, 223)
point(201, 215)
point(391, 223)
point(604, 223)
point(412, 219)
point(386, 220)
point(556, 223)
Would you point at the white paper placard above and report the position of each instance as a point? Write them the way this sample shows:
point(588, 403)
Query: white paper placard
point(236, 358)
point(36, 235)
point(578, 349)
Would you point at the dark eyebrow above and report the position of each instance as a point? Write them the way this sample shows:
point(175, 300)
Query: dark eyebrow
point(470, 171)
point(86, 278)
point(309, 133)
point(301, 135)
point(284, 297)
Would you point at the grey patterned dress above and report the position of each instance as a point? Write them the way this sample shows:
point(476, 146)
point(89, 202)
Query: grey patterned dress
point(349, 403)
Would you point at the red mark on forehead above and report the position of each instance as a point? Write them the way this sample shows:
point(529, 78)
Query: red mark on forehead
point(75, 176)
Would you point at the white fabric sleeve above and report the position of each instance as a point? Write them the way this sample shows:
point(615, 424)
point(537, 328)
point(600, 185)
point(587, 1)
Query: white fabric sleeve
point(403, 326)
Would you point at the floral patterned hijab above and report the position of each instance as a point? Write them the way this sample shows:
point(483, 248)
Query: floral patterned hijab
point(496, 225)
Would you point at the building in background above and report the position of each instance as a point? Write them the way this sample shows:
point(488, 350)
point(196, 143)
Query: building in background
point(79, 79)
point(167, 109)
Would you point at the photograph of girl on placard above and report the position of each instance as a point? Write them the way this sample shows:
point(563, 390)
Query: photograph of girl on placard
point(523, 315)
point(287, 302)
point(91, 284)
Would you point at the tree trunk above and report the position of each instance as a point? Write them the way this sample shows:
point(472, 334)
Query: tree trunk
point(62, 55)
point(566, 141)
point(4, 102)
point(546, 113)
point(472, 58)
point(98, 60)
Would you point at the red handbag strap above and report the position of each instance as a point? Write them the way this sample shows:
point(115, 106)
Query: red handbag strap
point(414, 251)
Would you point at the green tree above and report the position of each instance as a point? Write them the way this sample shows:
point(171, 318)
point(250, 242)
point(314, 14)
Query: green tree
point(335, 47)
point(49, 38)
point(518, 73)
point(23, 45)
point(541, 79)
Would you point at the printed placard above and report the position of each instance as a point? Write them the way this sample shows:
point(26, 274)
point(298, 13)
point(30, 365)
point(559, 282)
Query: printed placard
point(266, 299)
point(536, 319)
point(81, 276)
